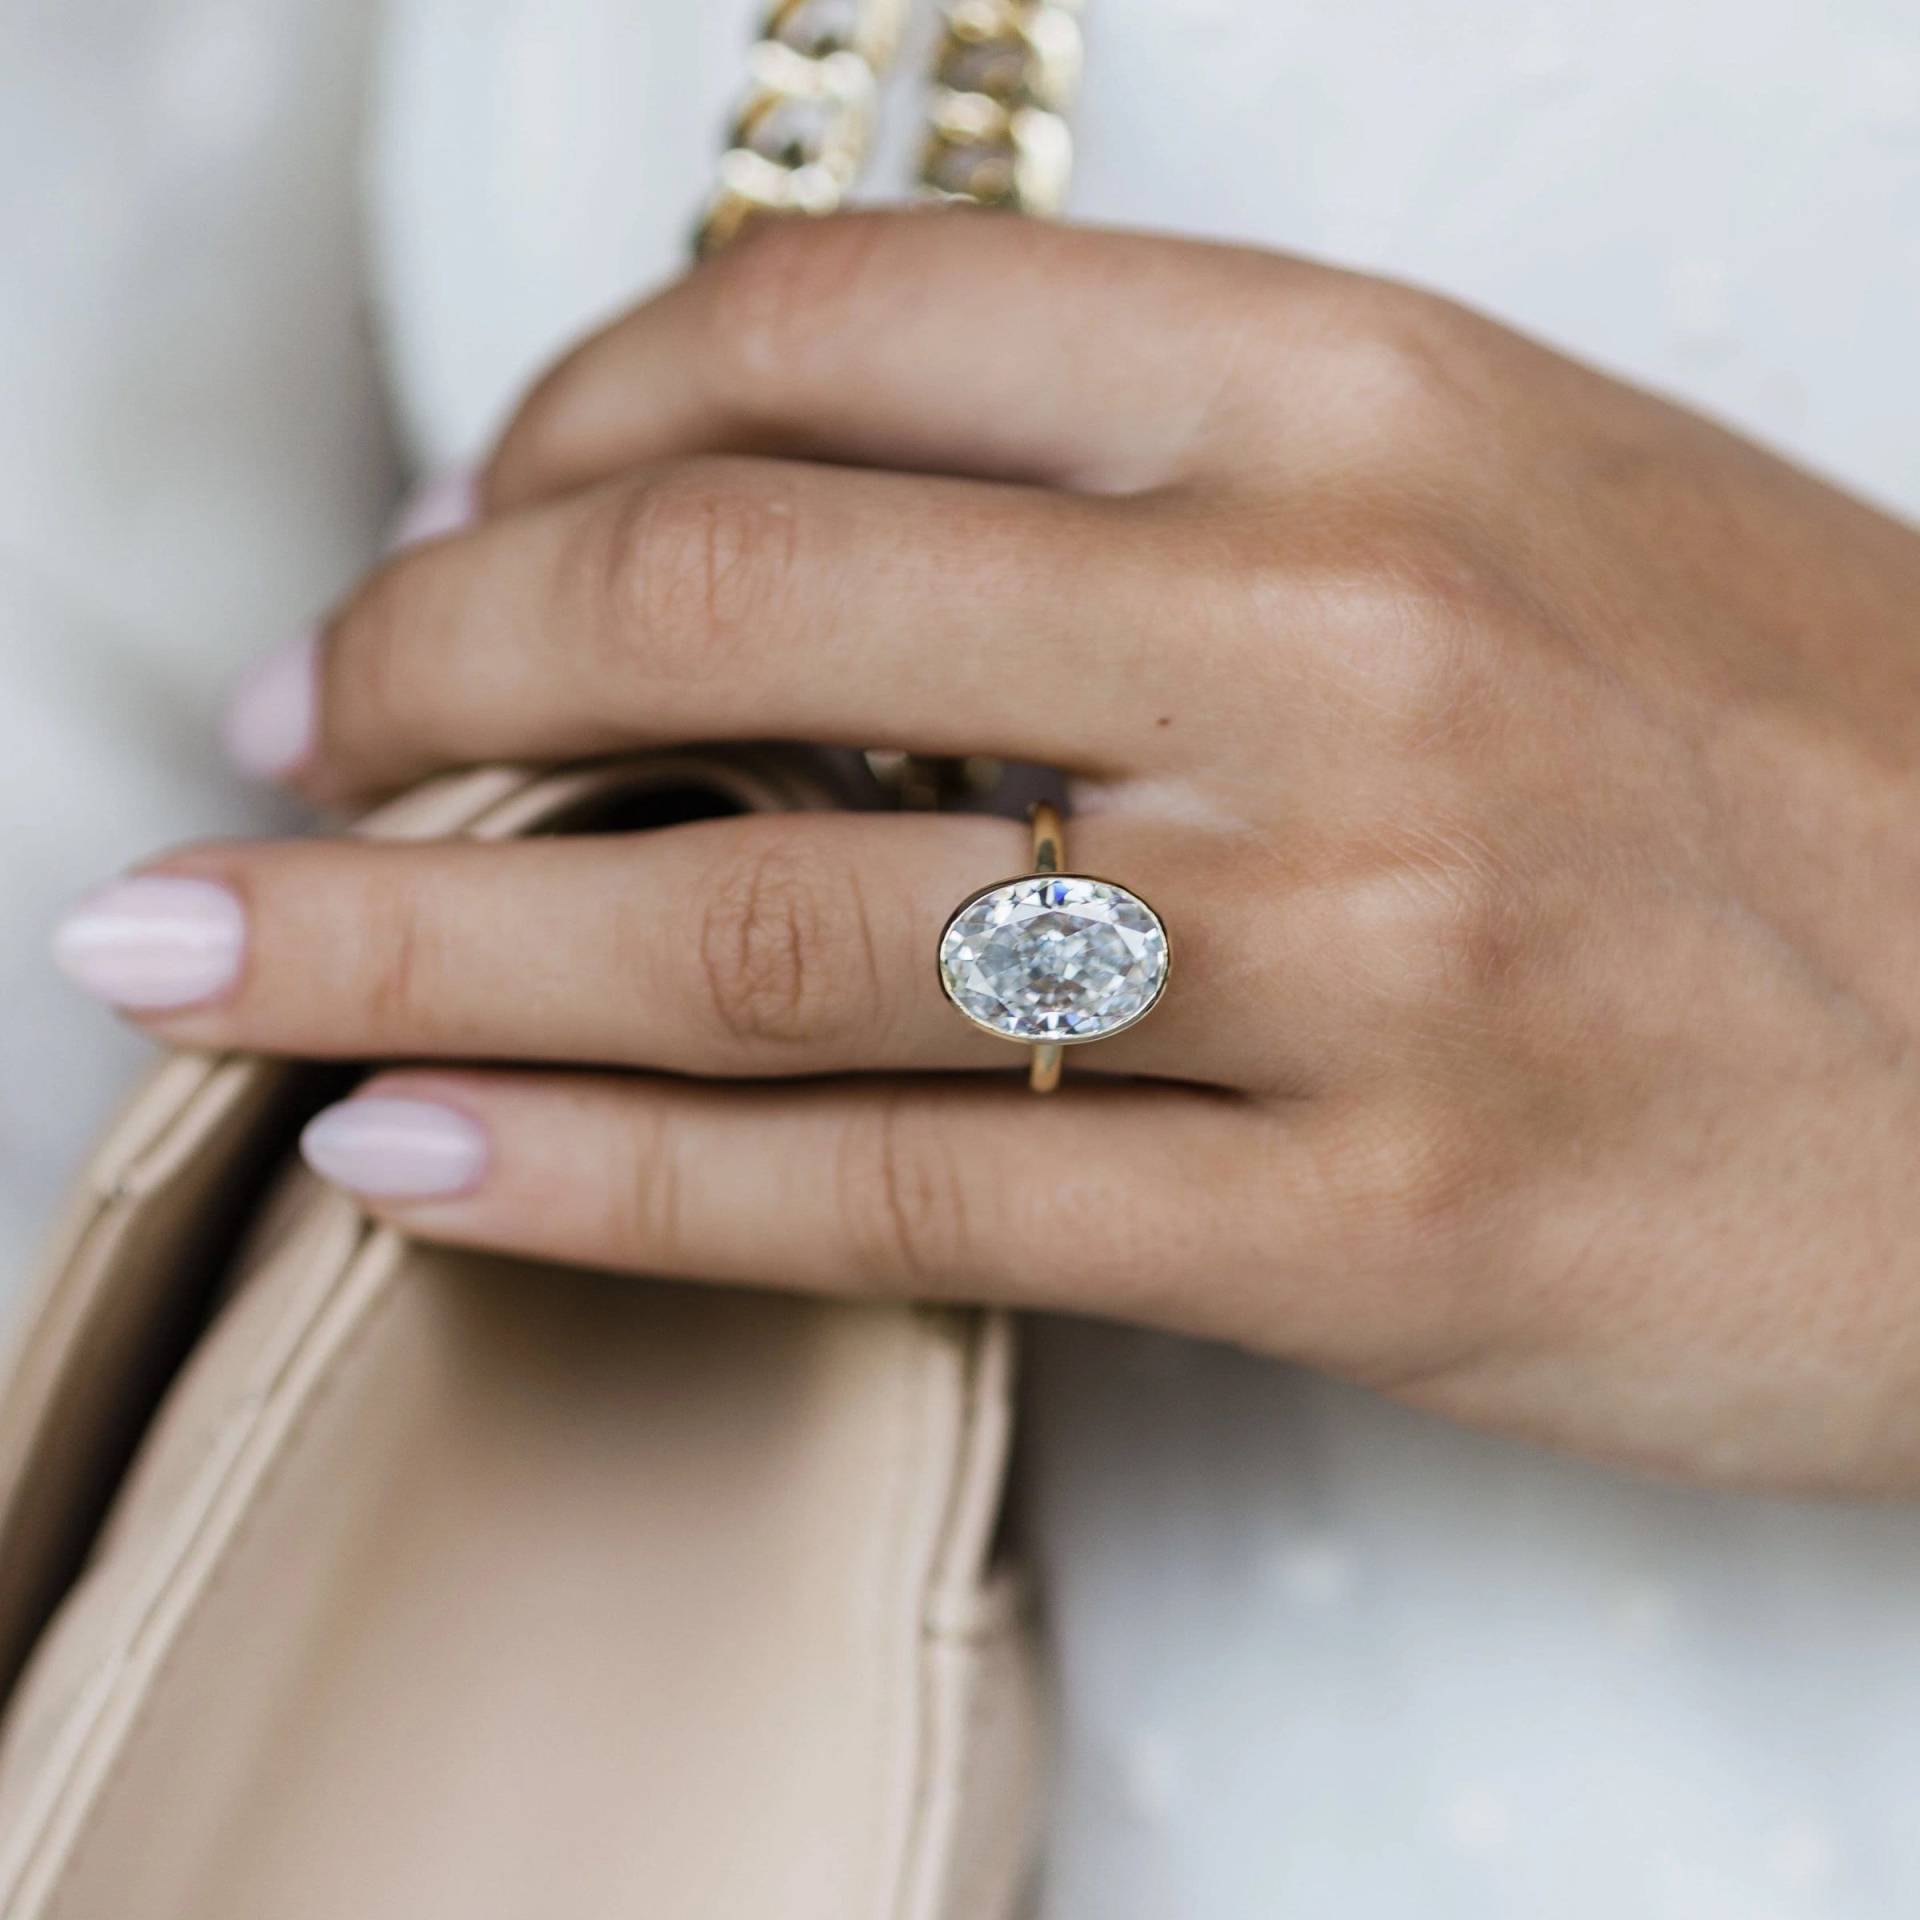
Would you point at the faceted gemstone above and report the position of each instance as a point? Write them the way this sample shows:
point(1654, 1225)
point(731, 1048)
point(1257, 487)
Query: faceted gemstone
point(1054, 957)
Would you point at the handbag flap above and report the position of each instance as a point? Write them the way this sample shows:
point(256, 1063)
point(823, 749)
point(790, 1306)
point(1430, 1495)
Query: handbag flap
point(444, 1584)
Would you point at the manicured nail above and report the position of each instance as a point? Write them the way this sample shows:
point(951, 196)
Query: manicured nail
point(269, 724)
point(393, 1149)
point(448, 503)
point(156, 941)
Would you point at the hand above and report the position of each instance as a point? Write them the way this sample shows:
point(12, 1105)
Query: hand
point(1526, 770)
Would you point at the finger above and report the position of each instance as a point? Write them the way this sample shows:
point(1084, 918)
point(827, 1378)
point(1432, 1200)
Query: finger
point(749, 599)
point(944, 343)
point(758, 947)
point(936, 1190)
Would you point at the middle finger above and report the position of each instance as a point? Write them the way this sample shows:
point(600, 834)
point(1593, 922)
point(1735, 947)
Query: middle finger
point(754, 599)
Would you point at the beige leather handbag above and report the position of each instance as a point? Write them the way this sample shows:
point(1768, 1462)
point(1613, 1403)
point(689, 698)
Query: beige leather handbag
point(346, 1579)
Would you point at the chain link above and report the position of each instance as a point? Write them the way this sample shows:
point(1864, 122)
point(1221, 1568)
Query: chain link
point(1004, 76)
point(801, 134)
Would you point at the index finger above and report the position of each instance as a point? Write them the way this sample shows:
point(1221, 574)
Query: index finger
point(950, 342)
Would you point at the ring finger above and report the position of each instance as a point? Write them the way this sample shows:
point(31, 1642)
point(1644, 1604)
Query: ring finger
point(753, 948)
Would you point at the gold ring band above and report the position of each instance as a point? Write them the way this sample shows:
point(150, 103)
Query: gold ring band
point(1049, 856)
point(1053, 959)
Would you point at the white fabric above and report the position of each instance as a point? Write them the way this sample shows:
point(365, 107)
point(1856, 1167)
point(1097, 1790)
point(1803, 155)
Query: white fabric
point(1319, 1657)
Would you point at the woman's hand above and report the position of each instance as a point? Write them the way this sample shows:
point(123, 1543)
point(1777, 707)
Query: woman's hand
point(1527, 772)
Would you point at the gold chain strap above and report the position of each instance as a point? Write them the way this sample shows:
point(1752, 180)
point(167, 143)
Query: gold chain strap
point(1003, 79)
point(1004, 76)
point(801, 135)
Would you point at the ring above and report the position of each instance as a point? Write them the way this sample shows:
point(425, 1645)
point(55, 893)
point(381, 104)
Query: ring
point(1053, 959)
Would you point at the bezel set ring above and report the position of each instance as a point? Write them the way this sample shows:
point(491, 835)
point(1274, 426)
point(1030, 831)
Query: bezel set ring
point(1053, 959)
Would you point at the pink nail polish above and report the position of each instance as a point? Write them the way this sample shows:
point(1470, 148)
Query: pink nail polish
point(269, 724)
point(394, 1149)
point(154, 942)
point(448, 503)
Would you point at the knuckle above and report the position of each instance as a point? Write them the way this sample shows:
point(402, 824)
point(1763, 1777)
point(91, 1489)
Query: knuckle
point(1399, 359)
point(903, 1201)
point(766, 295)
point(1474, 919)
point(1417, 1192)
point(691, 565)
point(1420, 625)
point(1433, 565)
point(1447, 923)
point(1416, 628)
point(642, 1188)
point(396, 989)
point(785, 955)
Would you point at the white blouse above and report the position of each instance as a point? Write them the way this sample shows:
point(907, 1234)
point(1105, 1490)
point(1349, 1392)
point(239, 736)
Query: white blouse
point(1319, 1657)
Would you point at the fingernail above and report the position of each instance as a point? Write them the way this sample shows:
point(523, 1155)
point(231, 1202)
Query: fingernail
point(269, 724)
point(392, 1149)
point(448, 503)
point(153, 942)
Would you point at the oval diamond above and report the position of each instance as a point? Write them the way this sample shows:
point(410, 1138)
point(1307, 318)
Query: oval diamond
point(1055, 957)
